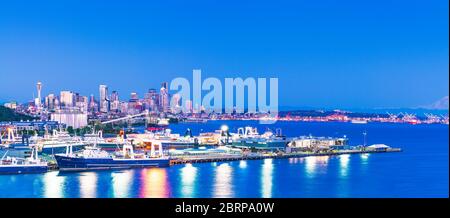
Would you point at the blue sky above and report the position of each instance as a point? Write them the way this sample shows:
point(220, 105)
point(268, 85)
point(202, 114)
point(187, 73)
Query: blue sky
point(339, 54)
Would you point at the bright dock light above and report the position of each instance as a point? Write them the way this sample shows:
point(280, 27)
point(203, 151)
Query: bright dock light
point(224, 128)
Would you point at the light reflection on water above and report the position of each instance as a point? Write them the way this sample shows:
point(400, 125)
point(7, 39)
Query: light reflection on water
point(314, 164)
point(266, 178)
point(365, 158)
point(88, 184)
point(121, 183)
point(53, 185)
point(344, 159)
point(154, 183)
point(188, 175)
point(223, 179)
point(243, 164)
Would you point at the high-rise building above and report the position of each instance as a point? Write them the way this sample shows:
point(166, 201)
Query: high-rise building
point(57, 102)
point(152, 100)
point(104, 100)
point(175, 106)
point(164, 98)
point(39, 98)
point(82, 103)
point(114, 96)
point(67, 99)
point(93, 106)
point(114, 101)
point(165, 85)
point(134, 105)
point(50, 101)
point(188, 106)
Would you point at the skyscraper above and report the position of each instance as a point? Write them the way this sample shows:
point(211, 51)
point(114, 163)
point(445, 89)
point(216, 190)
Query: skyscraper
point(134, 105)
point(82, 103)
point(114, 96)
point(188, 106)
point(93, 106)
point(164, 98)
point(50, 101)
point(104, 101)
point(175, 104)
point(67, 99)
point(39, 98)
point(114, 101)
point(165, 85)
point(152, 98)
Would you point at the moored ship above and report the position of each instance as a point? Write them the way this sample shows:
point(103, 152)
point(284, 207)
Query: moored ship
point(249, 137)
point(58, 141)
point(15, 165)
point(93, 158)
point(169, 140)
point(109, 144)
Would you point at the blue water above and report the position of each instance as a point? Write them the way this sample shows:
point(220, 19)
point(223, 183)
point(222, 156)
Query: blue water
point(421, 170)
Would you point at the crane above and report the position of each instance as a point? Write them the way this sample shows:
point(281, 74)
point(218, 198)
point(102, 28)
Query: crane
point(392, 117)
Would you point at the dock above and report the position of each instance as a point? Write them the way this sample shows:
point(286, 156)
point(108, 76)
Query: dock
point(224, 158)
point(253, 156)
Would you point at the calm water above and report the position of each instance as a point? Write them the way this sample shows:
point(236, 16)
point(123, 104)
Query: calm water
point(421, 170)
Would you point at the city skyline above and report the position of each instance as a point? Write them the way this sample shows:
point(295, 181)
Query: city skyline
point(437, 105)
point(351, 56)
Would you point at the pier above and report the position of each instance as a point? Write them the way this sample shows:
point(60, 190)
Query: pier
point(231, 157)
point(224, 158)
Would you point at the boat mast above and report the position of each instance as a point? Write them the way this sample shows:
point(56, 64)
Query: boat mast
point(364, 134)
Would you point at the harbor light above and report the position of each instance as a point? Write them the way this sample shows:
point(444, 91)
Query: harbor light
point(224, 128)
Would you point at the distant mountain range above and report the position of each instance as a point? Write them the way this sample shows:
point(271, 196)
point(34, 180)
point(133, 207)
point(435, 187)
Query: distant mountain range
point(441, 107)
point(441, 104)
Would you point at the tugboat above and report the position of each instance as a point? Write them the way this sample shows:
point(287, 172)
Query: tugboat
point(94, 158)
point(15, 165)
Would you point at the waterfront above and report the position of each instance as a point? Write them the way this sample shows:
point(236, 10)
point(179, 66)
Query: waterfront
point(421, 170)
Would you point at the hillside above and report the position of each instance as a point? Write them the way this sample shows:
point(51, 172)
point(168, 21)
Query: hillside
point(7, 114)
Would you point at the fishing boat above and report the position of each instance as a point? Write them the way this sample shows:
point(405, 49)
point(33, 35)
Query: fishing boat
point(16, 165)
point(94, 158)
